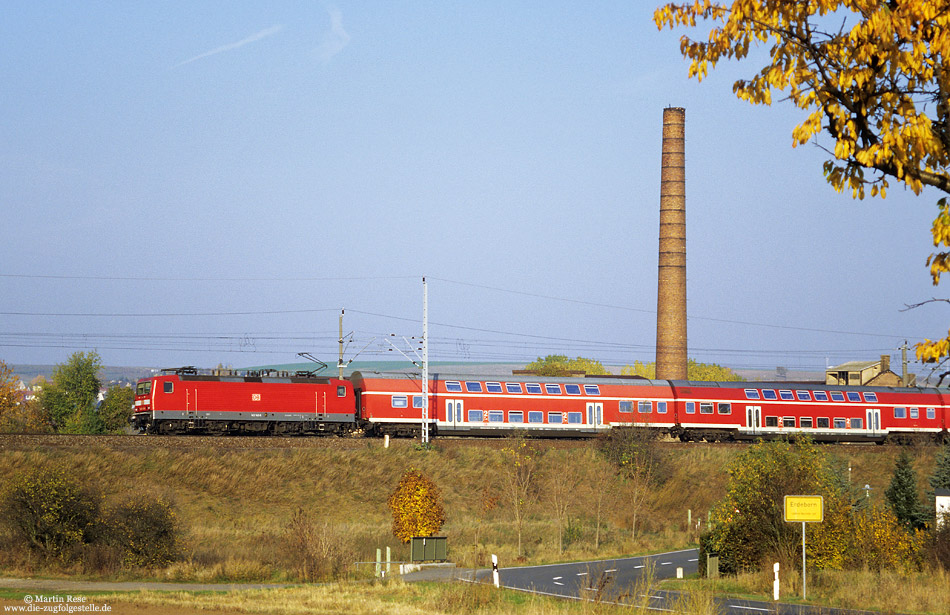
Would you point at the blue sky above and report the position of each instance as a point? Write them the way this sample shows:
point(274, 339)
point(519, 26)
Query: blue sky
point(204, 183)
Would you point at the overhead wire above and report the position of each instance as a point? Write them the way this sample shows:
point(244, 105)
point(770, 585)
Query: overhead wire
point(508, 346)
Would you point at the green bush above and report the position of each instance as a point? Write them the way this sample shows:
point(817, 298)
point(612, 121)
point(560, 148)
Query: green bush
point(51, 512)
point(54, 514)
point(144, 531)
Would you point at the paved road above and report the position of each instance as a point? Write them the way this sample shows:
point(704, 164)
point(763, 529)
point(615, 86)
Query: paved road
point(627, 580)
point(613, 580)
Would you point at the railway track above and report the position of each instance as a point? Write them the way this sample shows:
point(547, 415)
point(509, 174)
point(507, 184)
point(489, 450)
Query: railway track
point(53, 441)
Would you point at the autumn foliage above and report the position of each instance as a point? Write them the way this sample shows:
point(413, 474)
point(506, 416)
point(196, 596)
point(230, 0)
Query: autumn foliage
point(867, 73)
point(416, 505)
point(748, 524)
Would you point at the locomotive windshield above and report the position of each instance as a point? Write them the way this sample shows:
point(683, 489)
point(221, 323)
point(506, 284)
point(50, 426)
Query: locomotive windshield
point(143, 388)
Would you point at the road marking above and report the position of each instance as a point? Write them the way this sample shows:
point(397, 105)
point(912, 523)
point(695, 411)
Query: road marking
point(665, 563)
point(611, 570)
point(748, 608)
point(581, 574)
point(640, 566)
point(558, 578)
point(692, 560)
point(557, 583)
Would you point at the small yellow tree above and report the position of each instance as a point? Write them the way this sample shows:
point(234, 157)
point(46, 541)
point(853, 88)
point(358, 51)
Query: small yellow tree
point(416, 505)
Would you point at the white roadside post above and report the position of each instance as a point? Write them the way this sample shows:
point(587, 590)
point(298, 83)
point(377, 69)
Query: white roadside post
point(775, 582)
point(494, 570)
point(804, 509)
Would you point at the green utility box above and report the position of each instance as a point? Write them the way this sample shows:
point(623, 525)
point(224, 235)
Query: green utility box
point(428, 549)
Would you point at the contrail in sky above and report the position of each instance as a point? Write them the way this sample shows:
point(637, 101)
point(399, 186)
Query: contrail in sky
point(250, 39)
point(336, 39)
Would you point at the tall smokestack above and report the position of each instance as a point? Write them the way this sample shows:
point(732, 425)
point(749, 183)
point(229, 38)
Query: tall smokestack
point(671, 355)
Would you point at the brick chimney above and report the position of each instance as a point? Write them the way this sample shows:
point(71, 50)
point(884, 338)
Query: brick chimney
point(671, 353)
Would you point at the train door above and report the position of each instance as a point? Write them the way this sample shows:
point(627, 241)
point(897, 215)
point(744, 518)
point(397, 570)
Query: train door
point(595, 414)
point(454, 412)
point(753, 418)
point(874, 421)
point(191, 402)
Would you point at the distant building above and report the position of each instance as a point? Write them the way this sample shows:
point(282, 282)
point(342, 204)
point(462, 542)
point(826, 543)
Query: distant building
point(866, 373)
point(943, 504)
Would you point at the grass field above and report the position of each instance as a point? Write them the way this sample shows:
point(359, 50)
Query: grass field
point(235, 506)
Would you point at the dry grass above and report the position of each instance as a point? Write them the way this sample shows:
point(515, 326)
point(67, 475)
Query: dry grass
point(237, 504)
point(926, 592)
point(400, 598)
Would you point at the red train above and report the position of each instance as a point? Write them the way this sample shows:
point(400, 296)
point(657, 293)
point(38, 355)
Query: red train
point(184, 401)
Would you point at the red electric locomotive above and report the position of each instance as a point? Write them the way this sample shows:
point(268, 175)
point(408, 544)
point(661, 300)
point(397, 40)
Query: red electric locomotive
point(185, 401)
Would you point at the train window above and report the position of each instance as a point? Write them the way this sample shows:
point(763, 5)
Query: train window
point(534, 389)
point(821, 396)
point(400, 401)
point(626, 405)
point(493, 387)
point(496, 416)
point(169, 387)
point(870, 398)
point(554, 417)
point(771, 421)
point(644, 407)
point(535, 416)
point(453, 387)
point(841, 423)
point(513, 387)
point(473, 387)
point(769, 394)
point(705, 407)
point(854, 396)
point(803, 396)
point(931, 413)
point(575, 417)
point(475, 416)
point(788, 421)
point(592, 389)
point(900, 413)
point(751, 394)
point(143, 388)
point(786, 395)
point(341, 391)
point(690, 407)
point(837, 396)
point(552, 389)
point(823, 422)
point(805, 422)
point(913, 413)
point(857, 424)
point(417, 401)
point(661, 407)
point(572, 389)
point(725, 407)
point(516, 416)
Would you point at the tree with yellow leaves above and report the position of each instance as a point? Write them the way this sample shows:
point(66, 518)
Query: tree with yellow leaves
point(869, 73)
point(9, 397)
point(416, 505)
